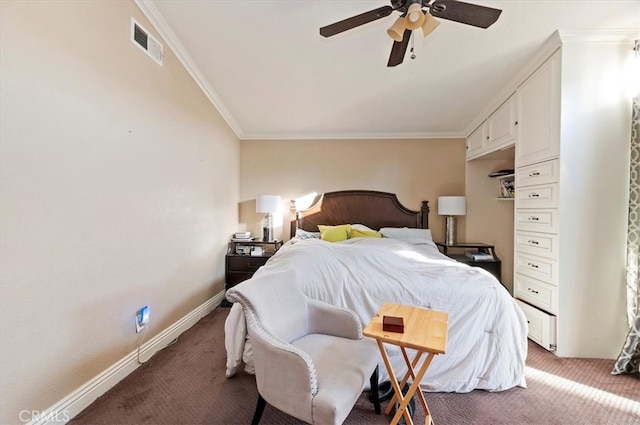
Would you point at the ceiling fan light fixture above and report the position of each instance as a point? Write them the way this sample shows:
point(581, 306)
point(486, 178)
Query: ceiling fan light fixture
point(396, 31)
point(430, 24)
point(415, 17)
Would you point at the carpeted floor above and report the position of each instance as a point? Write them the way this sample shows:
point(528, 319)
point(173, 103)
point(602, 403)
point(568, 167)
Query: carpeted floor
point(185, 384)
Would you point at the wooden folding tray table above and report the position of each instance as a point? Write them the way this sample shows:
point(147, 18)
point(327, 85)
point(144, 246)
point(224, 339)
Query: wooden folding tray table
point(424, 331)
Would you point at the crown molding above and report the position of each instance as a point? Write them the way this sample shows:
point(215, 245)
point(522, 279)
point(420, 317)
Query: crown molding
point(352, 136)
point(599, 36)
point(158, 22)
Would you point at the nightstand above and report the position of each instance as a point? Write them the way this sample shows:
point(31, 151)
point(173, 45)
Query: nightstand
point(240, 264)
point(493, 266)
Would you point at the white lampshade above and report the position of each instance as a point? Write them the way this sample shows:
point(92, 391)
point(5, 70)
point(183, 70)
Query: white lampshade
point(396, 32)
point(430, 23)
point(415, 17)
point(452, 205)
point(267, 204)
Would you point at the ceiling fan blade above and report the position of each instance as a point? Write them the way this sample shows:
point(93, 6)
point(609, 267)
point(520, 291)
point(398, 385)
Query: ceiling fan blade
point(355, 21)
point(399, 49)
point(465, 13)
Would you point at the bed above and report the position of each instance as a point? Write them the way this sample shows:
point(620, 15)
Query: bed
point(487, 344)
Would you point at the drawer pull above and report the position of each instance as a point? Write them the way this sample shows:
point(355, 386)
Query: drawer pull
point(534, 195)
point(534, 174)
point(532, 242)
point(253, 266)
point(533, 266)
point(532, 290)
point(534, 218)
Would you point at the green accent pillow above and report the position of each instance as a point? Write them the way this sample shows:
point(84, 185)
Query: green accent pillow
point(355, 233)
point(335, 233)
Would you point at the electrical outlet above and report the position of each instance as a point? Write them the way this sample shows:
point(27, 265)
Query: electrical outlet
point(142, 318)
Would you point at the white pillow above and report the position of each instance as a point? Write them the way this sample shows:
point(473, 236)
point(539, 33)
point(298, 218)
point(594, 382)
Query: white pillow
point(406, 233)
point(303, 234)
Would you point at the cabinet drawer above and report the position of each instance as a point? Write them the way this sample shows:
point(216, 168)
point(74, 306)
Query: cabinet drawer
point(542, 244)
point(545, 221)
point(542, 326)
point(544, 172)
point(543, 269)
point(537, 293)
point(245, 263)
point(539, 196)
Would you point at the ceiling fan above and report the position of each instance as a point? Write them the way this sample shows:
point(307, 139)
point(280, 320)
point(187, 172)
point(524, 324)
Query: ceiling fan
point(412, 16)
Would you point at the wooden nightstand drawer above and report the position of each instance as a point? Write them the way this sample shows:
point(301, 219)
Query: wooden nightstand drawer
point(233, 278)
point(245, 263)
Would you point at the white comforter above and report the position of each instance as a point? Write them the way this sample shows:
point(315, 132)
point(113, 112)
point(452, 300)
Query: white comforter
point(487, 343)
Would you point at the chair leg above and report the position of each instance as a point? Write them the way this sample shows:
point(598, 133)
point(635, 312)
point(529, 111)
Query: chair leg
point(375, 395)
point(259, 409)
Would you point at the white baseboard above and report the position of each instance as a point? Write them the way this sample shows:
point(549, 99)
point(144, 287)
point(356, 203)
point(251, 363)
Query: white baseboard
point(74, 403)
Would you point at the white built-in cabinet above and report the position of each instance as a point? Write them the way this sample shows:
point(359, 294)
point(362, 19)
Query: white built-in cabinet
point(538, 100)
point(571, 169)
point(477, 141)
point(570, 122)
point(497, 132)
point(502, 126)
point(536, 282)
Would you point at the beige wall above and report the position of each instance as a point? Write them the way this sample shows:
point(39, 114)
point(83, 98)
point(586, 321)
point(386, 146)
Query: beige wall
point(119, 188)
point(415, 170)
point(490, 220)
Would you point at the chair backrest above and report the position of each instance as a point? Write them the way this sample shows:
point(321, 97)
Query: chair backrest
point(276, 301)
point(276, 311)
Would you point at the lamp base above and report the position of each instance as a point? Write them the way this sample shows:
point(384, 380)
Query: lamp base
point(267, 234)
point(267, 228)
point(450, 231)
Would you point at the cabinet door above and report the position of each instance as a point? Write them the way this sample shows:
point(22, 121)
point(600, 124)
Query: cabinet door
point(539, 114)
point(502, 125)
point(477, 141)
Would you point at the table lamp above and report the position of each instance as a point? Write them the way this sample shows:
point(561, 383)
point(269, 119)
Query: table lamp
point(451, 206)
point(267, 204)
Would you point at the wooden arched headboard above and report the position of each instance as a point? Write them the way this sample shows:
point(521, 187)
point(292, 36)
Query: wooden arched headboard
point(371, 208)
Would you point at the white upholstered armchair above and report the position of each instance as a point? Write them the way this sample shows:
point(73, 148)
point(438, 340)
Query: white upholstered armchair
point(311, 360)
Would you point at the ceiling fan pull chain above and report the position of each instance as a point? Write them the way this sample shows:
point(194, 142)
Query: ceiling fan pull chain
point(413, 55)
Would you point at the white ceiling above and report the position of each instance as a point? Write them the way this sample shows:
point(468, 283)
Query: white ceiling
point(272, 76)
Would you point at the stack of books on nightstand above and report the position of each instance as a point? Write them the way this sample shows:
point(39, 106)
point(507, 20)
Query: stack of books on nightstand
point(242, 237)
point(479, 256)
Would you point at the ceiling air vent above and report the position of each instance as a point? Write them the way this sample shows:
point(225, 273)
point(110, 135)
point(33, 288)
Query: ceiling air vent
point(141, 38)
